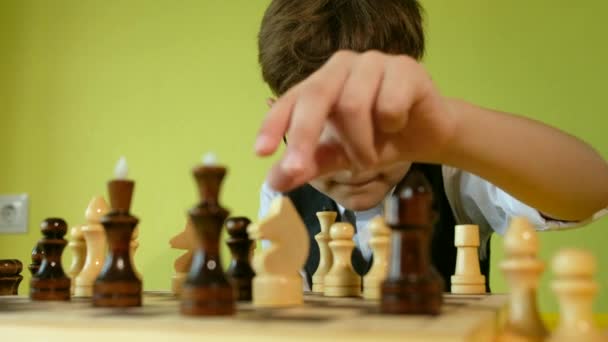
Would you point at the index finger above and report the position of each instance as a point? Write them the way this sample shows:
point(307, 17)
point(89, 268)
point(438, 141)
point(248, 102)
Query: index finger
point(275, 125)
point(315, 99)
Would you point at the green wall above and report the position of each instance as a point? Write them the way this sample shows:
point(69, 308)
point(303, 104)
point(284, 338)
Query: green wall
point(162, 82)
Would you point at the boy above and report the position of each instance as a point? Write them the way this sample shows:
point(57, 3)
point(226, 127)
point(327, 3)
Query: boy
point(358, 111)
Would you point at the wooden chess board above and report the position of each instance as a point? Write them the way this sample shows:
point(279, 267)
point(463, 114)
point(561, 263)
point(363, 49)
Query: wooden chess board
point(463, 318)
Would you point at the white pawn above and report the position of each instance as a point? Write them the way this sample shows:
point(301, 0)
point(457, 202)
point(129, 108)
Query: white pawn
point(79, 248)
point(326, 219)
point(467, 278)
point(95, 238)
point(277, 282)
point(342, 280)
point(574, 286)
point(380, 245)
point(522, 270)
point(132, 248)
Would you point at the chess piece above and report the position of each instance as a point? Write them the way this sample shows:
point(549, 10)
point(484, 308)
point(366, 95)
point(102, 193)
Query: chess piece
point(133, 248)
point(185, 240)
point(412, 286)
point(10, 276)
point(342, 280)
point(50, 282)
point(118, 284)
point(95, 239)
point(467, 278)
point(326, 219)
point(240, 272)
point(181, 265)
point(380, 245)
point(37, 256)
point(79, 248)
point(575, 289)
point(207, 290)
point(277, 282)
point(522, 270)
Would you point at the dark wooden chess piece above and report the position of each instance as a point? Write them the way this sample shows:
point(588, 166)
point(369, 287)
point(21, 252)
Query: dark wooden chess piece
point(207, 291)
point(240, 271)
point(50, 282)
point(10, 276)
point(37, 256)
point(413, 286)
point(118, 284)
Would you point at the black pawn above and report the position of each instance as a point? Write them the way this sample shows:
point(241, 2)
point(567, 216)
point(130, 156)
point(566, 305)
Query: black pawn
point(37, 256)
point(240, 271)
point(413, 286)
point(10, 276)
point(50, 282)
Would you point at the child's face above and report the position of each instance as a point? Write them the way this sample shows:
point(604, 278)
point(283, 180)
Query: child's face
point(361, 190)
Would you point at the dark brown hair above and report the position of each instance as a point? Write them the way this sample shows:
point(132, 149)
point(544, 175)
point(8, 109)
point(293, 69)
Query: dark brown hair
point(298, 36)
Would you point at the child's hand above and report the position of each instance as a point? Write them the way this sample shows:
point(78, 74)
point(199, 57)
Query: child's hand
point(357, 111)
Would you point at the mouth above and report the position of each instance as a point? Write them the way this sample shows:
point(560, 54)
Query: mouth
point(357, 183)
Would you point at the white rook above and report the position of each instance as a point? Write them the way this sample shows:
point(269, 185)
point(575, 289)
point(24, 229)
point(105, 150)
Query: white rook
point(467, 278)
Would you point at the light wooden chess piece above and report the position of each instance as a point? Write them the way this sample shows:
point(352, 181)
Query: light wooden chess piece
point(380, 245)
point(522, 270)
point(181, 265)
point(574, 286)
point(277, 281)
point(467, 278)
point(186, 240)
point(326, 219)
point(78, 247)
point(342, 280)
point(95, 238)
point(133, 248)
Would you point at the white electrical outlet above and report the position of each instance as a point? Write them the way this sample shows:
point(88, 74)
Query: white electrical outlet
point(13, 213)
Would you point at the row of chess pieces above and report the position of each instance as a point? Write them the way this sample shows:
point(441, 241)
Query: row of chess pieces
point(110, 283)
point(573, 284)
point(408, 226)
point(102, 266)
point(205, 289)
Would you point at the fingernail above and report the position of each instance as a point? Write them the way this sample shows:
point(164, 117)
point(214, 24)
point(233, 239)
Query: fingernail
point(293, 161)
point(261, 143)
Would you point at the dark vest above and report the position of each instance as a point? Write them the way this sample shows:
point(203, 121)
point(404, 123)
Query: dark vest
point(308, 201)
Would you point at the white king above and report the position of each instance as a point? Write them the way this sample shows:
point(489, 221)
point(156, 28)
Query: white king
point(121, 170)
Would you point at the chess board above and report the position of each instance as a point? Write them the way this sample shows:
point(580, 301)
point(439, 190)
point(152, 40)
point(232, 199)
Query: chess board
point(463, 318)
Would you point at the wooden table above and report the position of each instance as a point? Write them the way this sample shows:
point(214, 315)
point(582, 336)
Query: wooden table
point(464, 318)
